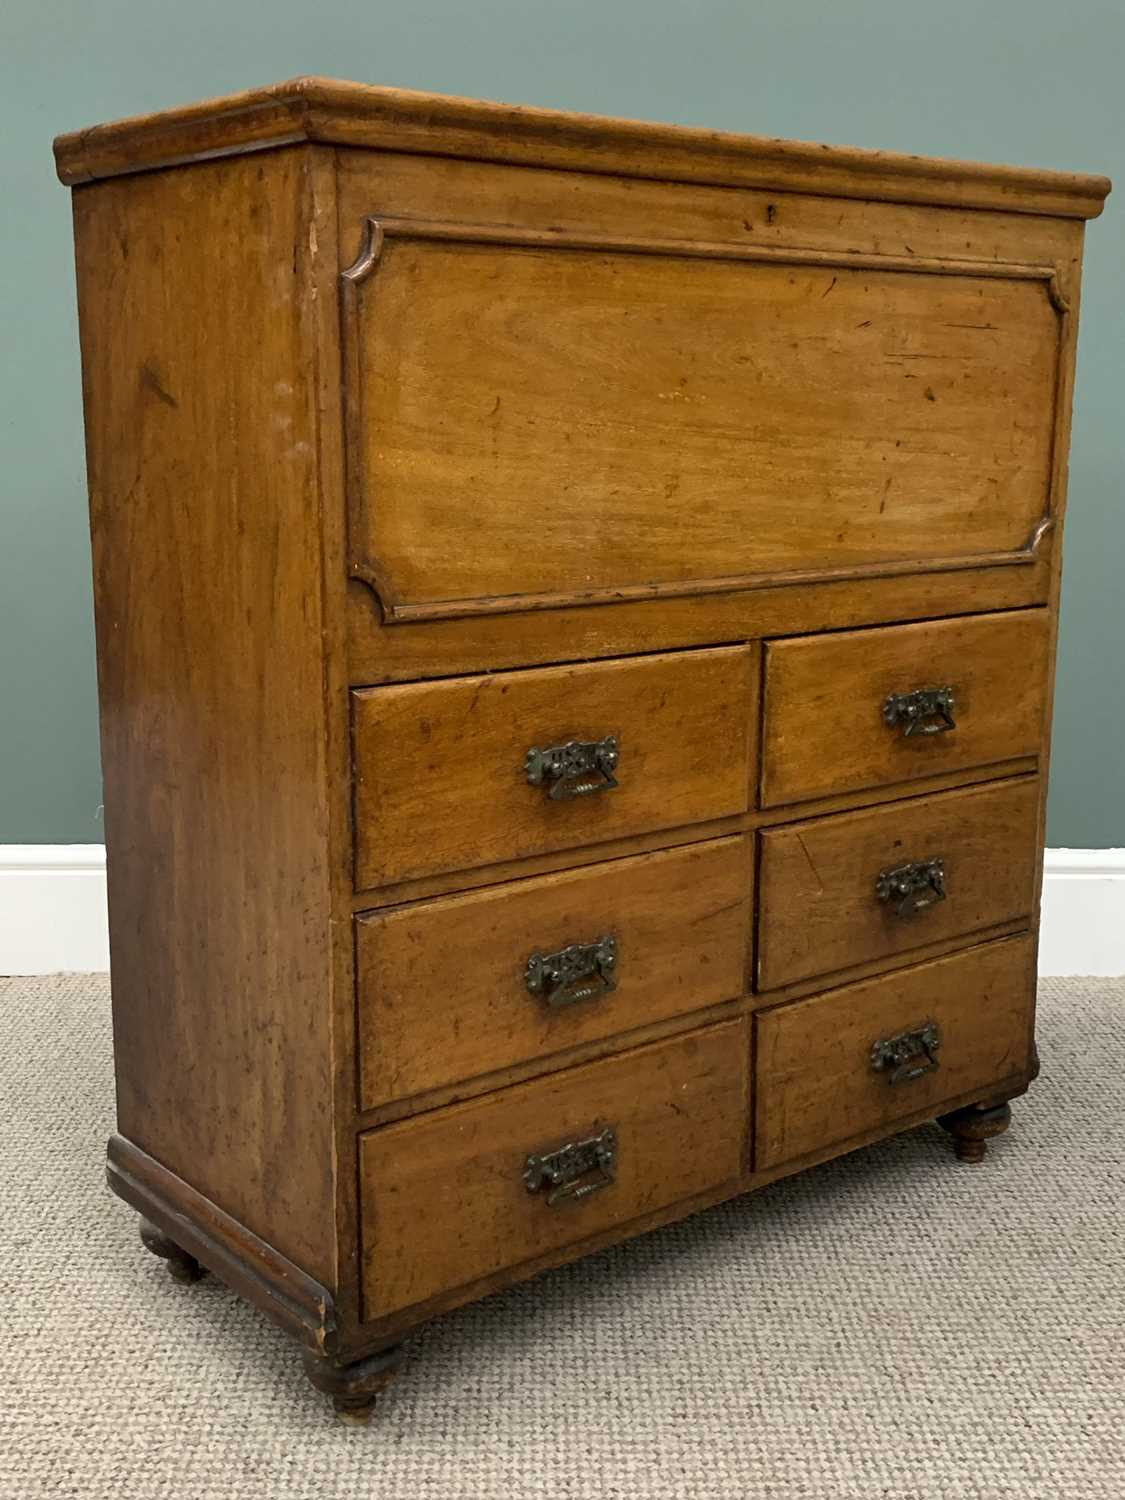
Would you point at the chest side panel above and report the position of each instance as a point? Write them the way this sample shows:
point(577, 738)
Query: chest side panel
point(201, 442)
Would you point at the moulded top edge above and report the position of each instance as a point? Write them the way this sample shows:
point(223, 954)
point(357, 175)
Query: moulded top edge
point(337, 113)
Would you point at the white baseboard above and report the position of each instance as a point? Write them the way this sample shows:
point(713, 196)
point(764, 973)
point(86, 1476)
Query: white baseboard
point(53, 910)
point(1083, 926)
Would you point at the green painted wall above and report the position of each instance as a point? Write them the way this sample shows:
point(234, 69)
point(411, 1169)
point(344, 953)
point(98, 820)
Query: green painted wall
point(1023, 81)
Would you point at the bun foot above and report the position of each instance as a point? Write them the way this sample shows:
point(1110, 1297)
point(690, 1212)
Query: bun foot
point(973, 1128)
point(354, 1388)
point(182, 1267)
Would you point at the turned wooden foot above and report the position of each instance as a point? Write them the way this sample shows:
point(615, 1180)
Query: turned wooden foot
point(972, 1128)
point(354, 1388)
point(181, 1266)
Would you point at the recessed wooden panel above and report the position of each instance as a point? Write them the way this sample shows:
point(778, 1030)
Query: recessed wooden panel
point(619, 421)
point(814, 1081)
point(444, 1202)
point(825, 731)
point(442, 984)
point(820, 909)
point(440, 767)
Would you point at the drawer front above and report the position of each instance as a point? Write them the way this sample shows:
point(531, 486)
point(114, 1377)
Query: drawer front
point(446, 777)
point(535, 419)
point(862, 886)
point(816, 1084)
point(465, 985)
point(450, 1197)
point(863, 708)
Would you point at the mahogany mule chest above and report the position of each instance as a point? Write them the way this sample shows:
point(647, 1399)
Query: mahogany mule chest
point(576, 608)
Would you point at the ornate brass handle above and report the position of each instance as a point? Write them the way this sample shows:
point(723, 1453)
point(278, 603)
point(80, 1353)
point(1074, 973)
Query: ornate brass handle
point(909, 1055)
point(575, 769)
point(925, 711)
point(913, 887)
point(566, 1171)
point(574, 973)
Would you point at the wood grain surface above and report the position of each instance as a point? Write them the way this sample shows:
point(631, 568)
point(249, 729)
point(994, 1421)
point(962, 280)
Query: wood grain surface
point(401, 184)
point(819, 907)
point(332, 111)
point(442, 991)
point(440, 767)
point(443, 1196)
point(201, 449)
point(824, 730)
point(814, 1082)
point(610, 424)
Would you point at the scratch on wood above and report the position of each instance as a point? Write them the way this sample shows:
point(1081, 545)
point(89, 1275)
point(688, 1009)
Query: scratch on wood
point(812, 866)
point(720, 911)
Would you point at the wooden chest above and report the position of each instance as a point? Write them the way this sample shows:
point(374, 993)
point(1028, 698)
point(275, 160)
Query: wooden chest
point(576, 606)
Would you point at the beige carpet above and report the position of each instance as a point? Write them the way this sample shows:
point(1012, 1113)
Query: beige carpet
point(889, 1325)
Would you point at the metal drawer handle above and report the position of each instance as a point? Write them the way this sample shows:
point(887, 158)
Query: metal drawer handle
point(909, 1055)
point(575, 769)
point(565, 1171)
point(913, 887)
point(925, 711)
point(576, 972)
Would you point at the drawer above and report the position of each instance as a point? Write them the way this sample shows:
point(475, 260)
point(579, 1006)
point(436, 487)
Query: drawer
point(816, 1083)
point(862, 886)
point(450, 1197)
point(456, 774)
point(533, 419)
point(457, 987)
point(831, 725)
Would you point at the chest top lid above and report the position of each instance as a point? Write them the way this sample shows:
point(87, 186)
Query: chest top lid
point(352, 114)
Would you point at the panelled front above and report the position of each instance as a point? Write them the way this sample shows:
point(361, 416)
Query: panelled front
point(540, 416)
point(562, 444)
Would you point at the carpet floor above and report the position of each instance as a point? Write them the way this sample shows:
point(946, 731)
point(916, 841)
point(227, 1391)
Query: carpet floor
point(891, 1324)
